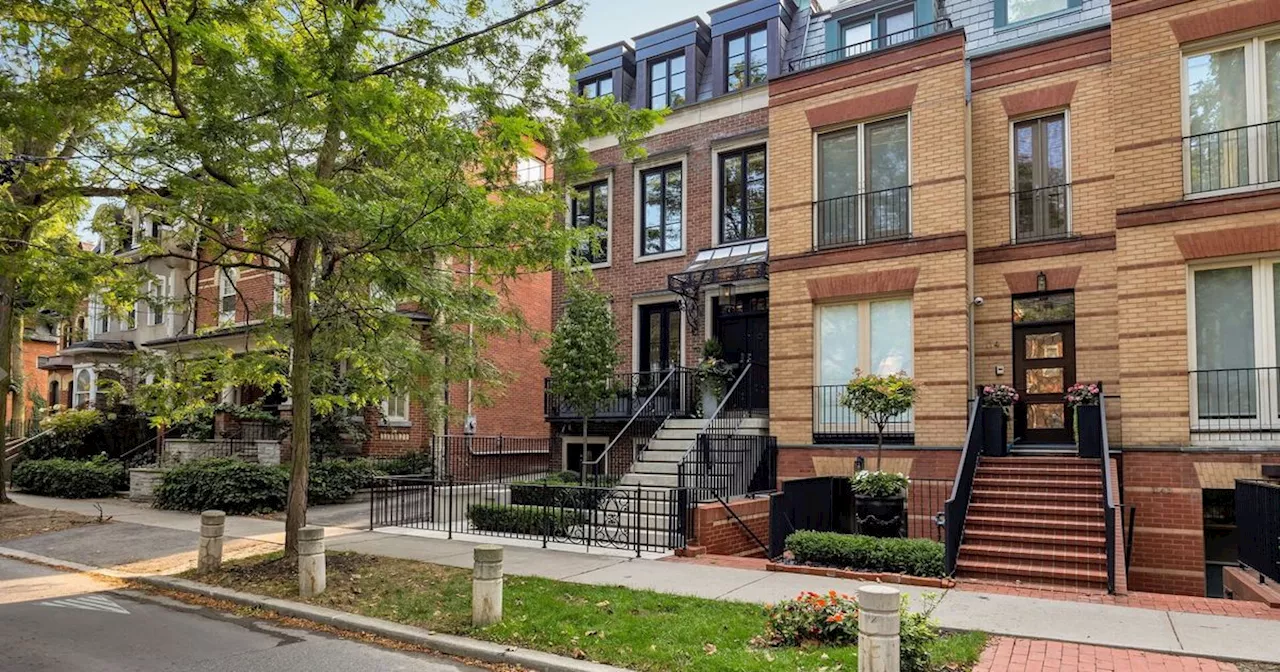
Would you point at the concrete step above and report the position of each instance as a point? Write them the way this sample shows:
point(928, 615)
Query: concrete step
point(646, 466)
point(651, 480)
point(652, 455)
point(626, 537)
point(645, 520)
point(677, 435)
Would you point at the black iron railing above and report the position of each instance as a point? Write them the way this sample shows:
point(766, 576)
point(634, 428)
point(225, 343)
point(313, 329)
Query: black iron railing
point(861, 219)
point(834, 423)
point(671, 395)
point(1041, 214)
point(723, 462)
point(1258, 526)
point(957, 506)
point(628, 518)
point(826, 504)
point(630, 390)
point(1108, 498)
point(872, 45)
point(1232, 158)
point(480, 459)
point(1235, 404)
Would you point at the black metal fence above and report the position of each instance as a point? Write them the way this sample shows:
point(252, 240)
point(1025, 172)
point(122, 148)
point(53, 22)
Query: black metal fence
point(669, 396)
point(479, 459)
point(1235, 404)
point(1232, 158)
point(1258, 526)
point(957, 505)
point(630, 391)
point(868, 46)
point(860, 219)
point(1041, 214)
point(729, 465)
point(626, 518)
point(834, 423)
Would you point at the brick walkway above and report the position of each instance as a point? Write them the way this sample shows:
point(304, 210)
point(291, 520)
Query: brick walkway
point(1159, 601)
point(1006, 654)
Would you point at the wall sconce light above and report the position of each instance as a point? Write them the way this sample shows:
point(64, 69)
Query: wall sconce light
point(726, 293)
point(1042, 282)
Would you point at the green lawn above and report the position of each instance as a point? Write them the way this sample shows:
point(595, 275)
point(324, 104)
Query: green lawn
point(637, 629)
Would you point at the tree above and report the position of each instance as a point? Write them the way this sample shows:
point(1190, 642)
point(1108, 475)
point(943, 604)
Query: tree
point(583, 352)
point(364, 151)
point(879, 399)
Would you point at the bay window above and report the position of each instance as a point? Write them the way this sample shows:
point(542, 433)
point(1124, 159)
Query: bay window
point(863, 184)
point(742, 195)
point(870, 336)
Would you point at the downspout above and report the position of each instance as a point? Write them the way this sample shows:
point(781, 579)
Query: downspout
point(968, 220)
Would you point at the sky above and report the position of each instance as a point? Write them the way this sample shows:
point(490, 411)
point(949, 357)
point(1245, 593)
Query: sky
point(608, 21)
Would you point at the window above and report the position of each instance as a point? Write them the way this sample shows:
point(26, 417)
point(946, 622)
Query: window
point(1014, 11)
point(530, 171)
point(591, 210)
point(659, 337)
point(597, 88)
point(662, 210)
point(159, 299)
point(54, 399)
point(83, 388)
point(876, 31)
point(863, 192)
point(227, 296)
point(1234, 346)
point(279, 290)
point(742, 195)
point(1231, 115)
point(873, 336)
point(1041, 194)
point(102, 321)
point(667, 82)
point(748, 61)
point(396, 408)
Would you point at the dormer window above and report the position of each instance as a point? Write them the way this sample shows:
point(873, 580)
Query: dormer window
point(748, 59)
point(877, 31)
point(667, 82)
point(596, 88)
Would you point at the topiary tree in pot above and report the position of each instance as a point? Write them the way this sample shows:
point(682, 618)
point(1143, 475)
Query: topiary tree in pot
point(879, 399)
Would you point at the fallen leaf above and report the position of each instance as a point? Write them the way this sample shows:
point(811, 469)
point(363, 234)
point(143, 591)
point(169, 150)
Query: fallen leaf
point(578, 653)
point(710, 649)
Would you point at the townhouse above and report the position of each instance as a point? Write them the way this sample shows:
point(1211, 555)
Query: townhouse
point(1026, 192)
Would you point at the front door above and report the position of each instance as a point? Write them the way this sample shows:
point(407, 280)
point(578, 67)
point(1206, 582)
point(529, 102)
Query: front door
point(1044, 365)
point(659, 337)
point(742, 327)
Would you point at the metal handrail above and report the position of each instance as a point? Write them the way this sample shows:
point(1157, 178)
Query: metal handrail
point(1041, 197)
point(11, 451)
point(957, 506)
point(868, 46)
point(1230, 158)
point(595, 464)
point(1108, 500)
point(716, 415)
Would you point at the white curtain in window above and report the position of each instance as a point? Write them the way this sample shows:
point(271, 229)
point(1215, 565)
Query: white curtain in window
point(891, 347)
point(1226, 383)
point(837, 358)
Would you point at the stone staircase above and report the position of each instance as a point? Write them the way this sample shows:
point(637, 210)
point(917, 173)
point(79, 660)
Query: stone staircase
point(1036, 520)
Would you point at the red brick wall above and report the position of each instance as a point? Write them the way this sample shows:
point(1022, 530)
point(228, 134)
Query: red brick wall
point(716, 530)
point(516, 408)
point(818, 461)
point(35, 379)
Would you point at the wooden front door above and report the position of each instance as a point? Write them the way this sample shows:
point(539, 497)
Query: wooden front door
point(1044, 366)
point(743, 331)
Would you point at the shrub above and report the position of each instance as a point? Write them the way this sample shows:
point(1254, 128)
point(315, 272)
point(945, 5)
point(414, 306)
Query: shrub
point(832, 620)
point(335, 481)
point(412, 464)
point(71, 479)
point(67, 432)
point(230, 485)
point(879, 484)
point(917, 557)
point(562, 490)
point(523, 519)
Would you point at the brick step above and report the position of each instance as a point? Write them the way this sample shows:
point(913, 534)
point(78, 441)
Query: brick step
point(1040, 461)
point(1002, 522)
point(986, 569)
point(1045, 469)
point(992, 495)
point(1037, 484)
point(1027, 538)
point(1038, 511)
point(1019, 474)
point(1086, 557)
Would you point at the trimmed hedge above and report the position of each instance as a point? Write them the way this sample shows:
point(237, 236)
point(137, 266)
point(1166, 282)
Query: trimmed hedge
point(227, 484)
point(71, 479)
point(560, 490)
point(417, 463)
point(335, 481)
point(916, 557)
point(523, 519)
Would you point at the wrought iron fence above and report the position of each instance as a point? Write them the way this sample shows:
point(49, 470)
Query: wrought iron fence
point(630, 391)
point(868, 46)
point(471, 458)
point(827, 504)
point(834, 423)
point(1232, 158)
point(861, 219)
point(1041, 214)
point(1258, 526)
point(1232, 405)
point(672, 395)
point(628, 518)
point(729, 465)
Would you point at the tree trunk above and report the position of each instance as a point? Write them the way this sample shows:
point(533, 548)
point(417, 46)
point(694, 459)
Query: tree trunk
point(879, 444)
point(6, 364)
point(300, 281)
point(17, 377)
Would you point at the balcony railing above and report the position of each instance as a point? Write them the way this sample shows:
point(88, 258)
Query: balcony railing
point(1232, 158)
point(868, 46)
point(630, 390)
point(1234, 405)
point(859, 219)
point(1041, 214)
point(833, 423)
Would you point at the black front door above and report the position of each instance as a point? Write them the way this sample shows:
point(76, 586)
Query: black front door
point(1044, 365)
point(659, 336)
point(742, 327)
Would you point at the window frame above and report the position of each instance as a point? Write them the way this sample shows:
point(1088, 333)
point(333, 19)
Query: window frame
point(877, 21)
point(572, 219)
point(740, 151)
point(1002, 14)
point(863, 162)
point(1255, 73)
point(639, 310)
point(666, 59)
point(279, 283)
point(528, 164)
point(747, 48)
point(593, 85)
point(640, 217)
point(1013, 164)
point(88, 392)
point(399, 420)
point(863, 340)
point(227, 278)
point(158, 307)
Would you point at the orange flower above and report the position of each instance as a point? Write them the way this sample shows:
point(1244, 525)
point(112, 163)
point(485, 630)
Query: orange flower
point(836, 617)
point(832, 594)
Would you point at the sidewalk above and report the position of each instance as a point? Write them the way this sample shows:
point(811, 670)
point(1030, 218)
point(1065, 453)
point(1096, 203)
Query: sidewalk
point(143, 540)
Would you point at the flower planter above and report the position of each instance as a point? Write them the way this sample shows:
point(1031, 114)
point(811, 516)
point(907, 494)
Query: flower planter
point(881, 516)
point(1089, 431)
point(995, 432)
point(710, 400)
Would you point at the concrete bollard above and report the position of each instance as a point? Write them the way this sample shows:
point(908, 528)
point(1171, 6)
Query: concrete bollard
point(311, 575)
point(209, 556)
point(486, 586)
point(879, 629)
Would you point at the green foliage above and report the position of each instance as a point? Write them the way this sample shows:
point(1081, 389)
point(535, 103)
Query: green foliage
point(880, 484)
point(332, 433)
point(812, 620)
point(227, 484)
point(561, 490)
point(336, 481)
point(71, 479)
point(523, 519)
point(416, 463)
point(879, 398)
point(916, 557)
point(714, 372)
point(583, 352)
point(67, 433)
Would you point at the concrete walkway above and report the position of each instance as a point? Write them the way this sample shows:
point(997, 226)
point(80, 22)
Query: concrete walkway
point(148, 541)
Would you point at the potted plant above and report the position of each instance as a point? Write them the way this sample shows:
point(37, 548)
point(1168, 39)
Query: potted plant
point(879, 399)
point(1083, 399)
point(997, 400)
point(880, 503)
point(713, 374)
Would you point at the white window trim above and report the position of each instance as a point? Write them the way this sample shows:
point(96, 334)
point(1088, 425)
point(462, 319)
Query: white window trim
point(636, 304)
point(716, 151)
point(90, 394)
point(1066, 148)
point(637, 237)
point(861, 125)
point(527, 162)
point(227, 278)
point(396, 420)
point(590, 441)
point(279, 282)
point(864, 337)
point(608, 241)
point(1255, 89)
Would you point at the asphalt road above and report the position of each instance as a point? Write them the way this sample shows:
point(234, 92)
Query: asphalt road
point(53, 621)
